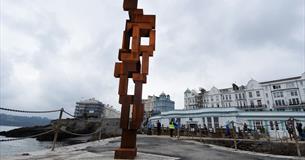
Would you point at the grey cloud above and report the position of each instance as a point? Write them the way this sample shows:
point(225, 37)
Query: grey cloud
point(199, 43)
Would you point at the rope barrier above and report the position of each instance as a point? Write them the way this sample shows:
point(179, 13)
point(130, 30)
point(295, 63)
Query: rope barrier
point(68, 113)
point(33, 136)
point(78, 134)
point(23, 111)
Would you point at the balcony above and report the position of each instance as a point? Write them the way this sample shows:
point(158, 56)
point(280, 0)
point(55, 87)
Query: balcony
point(302, 106)
point(253, 107)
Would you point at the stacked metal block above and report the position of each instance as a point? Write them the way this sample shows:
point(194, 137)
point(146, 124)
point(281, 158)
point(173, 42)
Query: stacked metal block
point(134, 58)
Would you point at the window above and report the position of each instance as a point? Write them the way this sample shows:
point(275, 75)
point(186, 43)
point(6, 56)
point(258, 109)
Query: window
point(226, 97)
point(294, 93)
point(236, 96)
point(276, 86)
point(251, 104)
point(216, 122)
point(250, 94)
point(294, 101)
point(267, 95)
point(239, 95)
point(229, 96)
point(203, 120)
point(276, 103)
point(278, 94)
point(209, 122)
point(191, 119)
point(259, 103)
point(243, 95)
point(258, 94)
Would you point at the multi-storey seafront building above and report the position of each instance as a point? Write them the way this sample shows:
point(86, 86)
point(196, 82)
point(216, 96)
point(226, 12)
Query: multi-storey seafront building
point(92, 108)
point(162, 103)
point(281, 95)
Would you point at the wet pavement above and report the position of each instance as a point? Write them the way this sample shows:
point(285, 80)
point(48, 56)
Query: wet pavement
point(153, 148)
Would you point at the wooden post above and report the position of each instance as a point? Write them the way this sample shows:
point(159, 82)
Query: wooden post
point(200, 134)
point(56, 129)
point(296, 139)
point(100, 133)
point(234, 136)
point(101, 125)
point(178, 134)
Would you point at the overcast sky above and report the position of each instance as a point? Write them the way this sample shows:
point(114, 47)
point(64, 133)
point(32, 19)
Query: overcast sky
point(56, 52)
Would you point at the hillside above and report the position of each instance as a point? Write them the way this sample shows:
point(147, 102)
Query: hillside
point(11, 120)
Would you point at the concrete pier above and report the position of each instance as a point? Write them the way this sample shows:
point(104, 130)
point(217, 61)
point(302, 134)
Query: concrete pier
point(151, 148)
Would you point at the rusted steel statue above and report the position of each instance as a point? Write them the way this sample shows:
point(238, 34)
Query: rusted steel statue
point(134, 58)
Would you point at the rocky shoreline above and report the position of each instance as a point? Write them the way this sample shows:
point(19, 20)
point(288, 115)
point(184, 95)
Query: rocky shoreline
point(109, 128)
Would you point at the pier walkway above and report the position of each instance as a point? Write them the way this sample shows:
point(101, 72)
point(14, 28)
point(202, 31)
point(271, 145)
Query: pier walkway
point(149, 147)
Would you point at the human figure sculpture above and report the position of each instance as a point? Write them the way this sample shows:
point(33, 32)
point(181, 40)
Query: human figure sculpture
point(133, 65)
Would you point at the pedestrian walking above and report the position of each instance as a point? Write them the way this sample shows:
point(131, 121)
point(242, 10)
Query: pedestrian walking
point(171, 127)
point(290, 127)
point(245, 127)
point(228, 132)
point(158, 128)
point(149, 127)
point(300, 131)
point(177, 127)
point(205, 129)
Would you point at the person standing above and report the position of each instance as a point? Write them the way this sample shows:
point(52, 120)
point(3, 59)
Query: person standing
point(177, 127)
point(245, 127)
point(149, 127)
point(228, 132)
point(300, 130)
point(171, 127)
point(158, 128)
point(290, 127)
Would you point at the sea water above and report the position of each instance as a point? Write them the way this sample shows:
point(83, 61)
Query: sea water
point(21, 146)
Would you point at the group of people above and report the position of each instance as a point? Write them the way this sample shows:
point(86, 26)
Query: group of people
point(174, 127)
point(299, 127)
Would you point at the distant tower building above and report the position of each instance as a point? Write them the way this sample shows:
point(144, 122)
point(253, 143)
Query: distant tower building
point(162, 103)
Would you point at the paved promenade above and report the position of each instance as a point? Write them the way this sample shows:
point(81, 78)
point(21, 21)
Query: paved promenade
point(150, 147)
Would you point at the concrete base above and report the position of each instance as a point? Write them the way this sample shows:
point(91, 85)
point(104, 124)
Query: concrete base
point(125, 153)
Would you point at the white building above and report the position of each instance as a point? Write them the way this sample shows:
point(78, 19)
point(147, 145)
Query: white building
point(111, 112)
point(272, 121)
point(190, 99)
point(283, 95)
